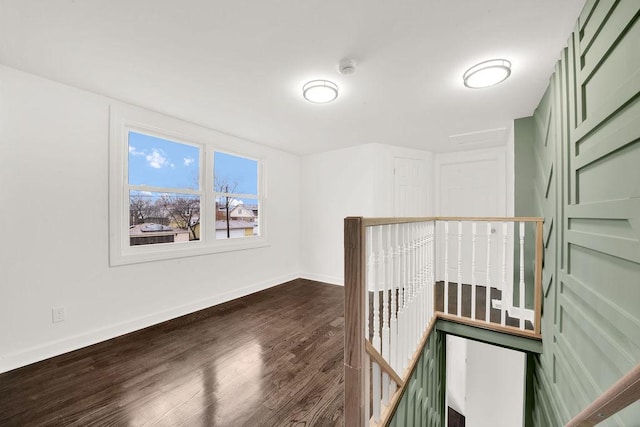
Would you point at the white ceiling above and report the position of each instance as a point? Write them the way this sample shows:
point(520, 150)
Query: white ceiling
point(239, 66)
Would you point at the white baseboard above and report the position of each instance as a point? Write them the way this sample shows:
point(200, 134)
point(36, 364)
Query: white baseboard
point(44, 351)
point(322, 278)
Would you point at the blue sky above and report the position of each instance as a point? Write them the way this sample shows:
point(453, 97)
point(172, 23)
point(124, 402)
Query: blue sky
point(161, 163)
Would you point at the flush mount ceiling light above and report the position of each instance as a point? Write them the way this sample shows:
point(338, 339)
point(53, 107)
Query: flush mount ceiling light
point(320, 91)
point(487, 73)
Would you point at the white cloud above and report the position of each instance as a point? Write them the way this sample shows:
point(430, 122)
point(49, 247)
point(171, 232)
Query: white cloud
point(188, 161)
point(134, 152)
point(157, 159)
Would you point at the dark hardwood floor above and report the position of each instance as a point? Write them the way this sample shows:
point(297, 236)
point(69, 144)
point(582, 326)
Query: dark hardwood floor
point(274, 358)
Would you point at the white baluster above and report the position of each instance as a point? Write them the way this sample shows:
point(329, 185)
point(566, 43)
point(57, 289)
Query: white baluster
point(376, 324)
point(374, 288)
point(416, 282)
point(423, 276)
point(369, 278)
point(474, 234)
point(432, 280)
point(430, 274)
point(503, 314)
point(409, 290)
point(488, 289)
point(385, 245)
point(459, 306)
point(427, 277)
point(389, 355)
point(375, 392)
point(446, 267)
point(419, 267)
point(521, 275)
point(410, 308)
point(401, 298)
point(394, 307)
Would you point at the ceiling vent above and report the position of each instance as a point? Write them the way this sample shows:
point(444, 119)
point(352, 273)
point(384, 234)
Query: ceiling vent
point(490, 137)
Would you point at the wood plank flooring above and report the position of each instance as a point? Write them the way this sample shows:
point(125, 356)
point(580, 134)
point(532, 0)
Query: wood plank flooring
point(274, 358)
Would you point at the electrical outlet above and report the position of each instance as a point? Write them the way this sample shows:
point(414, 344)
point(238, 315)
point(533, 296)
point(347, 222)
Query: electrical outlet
point(57, 314)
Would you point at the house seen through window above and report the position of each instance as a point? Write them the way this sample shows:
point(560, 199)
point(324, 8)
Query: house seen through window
point(171, 200)
point(236, 192)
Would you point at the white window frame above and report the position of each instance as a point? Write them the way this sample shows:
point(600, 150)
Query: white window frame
point(124, 119)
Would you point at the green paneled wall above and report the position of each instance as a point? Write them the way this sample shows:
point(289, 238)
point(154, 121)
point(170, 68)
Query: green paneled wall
point(422, 404)
point(586, 157)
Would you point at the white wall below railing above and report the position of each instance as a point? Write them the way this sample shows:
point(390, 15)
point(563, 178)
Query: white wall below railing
point(495, 386)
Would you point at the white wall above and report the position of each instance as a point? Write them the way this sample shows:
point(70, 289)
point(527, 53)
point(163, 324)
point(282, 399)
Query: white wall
point(54, 228)
point(356, 181)
point(468, 161)
point(456, 396)
point(485, 383)
point(495, 386)
point(335, 184)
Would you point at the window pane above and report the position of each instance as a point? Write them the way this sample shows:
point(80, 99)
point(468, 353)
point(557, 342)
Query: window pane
point(237, 217)
point(163, 218)
point(235, 174)
point(158, 162)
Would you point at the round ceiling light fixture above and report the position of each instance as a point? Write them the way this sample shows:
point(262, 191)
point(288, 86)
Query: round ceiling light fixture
point(320, 91)
point(487, 73)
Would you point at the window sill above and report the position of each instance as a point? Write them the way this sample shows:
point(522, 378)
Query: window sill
point(161, 252)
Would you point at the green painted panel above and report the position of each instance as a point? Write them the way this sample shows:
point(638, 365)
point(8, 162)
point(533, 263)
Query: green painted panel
point(591, 313)
point(620, 173)
point(619, 324)
point(614, 278)
point(422, 403)
point(618, 133)
point(591, 20)
point(509, 341)
point(546, 411)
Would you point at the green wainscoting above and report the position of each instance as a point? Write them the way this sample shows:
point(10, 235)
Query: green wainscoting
point(422, 403)
point(586, 158)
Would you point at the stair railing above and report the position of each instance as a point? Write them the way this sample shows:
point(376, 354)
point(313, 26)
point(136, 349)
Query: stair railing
point(620, 395)
point(403, 274)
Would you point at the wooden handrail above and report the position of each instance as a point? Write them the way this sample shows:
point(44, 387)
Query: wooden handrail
point(511, 330)
point(620, 395)
point(377, 357)
point(491, 218)
point(369, 222)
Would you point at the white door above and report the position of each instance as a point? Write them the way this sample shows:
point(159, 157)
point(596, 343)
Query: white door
point(409, 187)
point(472, 185)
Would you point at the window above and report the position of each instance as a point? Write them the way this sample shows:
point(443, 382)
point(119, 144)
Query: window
point(236, 187)
point(175, 190)
point(163, 189)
